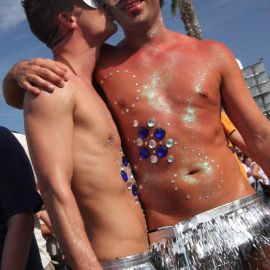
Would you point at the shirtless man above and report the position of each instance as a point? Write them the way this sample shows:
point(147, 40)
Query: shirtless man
point(86, 183)
point(165, 90)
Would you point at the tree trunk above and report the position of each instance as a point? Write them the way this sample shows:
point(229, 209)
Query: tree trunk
point(189, 18)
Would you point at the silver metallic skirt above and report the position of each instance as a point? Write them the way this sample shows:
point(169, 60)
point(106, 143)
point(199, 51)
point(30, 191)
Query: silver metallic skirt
point(142, 261)
point(232, 236)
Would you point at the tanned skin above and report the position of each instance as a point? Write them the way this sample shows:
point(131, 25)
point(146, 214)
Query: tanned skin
point(190, 80)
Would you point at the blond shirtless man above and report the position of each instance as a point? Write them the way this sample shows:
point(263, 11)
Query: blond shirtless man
point(85, 180)
point(166, 90)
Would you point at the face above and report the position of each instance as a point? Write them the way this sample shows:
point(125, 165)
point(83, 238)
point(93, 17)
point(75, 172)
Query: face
point(96, 24)
point(131, 14)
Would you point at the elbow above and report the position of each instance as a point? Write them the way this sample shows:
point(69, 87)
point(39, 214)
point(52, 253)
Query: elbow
point(52, 193)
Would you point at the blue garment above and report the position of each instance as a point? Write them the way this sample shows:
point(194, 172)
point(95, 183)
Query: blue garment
point(17, 190)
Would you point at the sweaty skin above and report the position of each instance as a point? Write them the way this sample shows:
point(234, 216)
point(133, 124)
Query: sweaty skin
point(82, 148)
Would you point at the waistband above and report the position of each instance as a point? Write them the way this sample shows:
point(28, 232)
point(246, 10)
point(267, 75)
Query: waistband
point(132, 260)
point(170, 231)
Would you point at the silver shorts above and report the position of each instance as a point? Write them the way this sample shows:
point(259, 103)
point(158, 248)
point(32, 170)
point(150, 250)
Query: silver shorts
point(142, 261)
point(233, 236)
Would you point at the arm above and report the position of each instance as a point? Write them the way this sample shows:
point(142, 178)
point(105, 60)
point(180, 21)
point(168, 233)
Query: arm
point(49, 129)
point(242, 109)
point(47, 226)
point(17, 242)
point(32, 76)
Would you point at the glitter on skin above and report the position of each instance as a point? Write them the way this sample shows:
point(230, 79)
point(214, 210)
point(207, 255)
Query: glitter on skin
point(206, 167)
point(190, 115)
point(188, 179)
point(156, 101)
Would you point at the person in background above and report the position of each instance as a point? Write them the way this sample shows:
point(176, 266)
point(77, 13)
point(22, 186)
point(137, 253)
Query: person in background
point(19, 201)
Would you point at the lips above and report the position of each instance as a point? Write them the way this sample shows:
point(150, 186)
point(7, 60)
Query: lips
point(131, 4)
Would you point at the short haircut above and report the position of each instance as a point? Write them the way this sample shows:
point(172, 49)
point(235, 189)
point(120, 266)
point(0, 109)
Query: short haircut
point(42, 16)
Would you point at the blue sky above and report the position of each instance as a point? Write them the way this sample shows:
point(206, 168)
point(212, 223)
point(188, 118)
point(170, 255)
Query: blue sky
point(243, 25)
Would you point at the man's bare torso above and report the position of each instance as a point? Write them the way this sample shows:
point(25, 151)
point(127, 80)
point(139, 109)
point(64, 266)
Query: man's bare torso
point(113, 220)
point(166, 100)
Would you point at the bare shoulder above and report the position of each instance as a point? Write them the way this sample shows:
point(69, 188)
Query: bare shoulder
point(60, 99)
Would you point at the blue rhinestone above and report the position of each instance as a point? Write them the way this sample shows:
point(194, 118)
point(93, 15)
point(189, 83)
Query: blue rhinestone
point(162, 151)
point(143, 132)
point(124, 175)
point(159, 133)
point(125, 161)
point(135, 191)
point(144, 153)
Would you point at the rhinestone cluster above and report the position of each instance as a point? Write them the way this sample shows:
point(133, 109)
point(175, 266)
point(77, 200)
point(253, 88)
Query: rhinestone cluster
point(129, 179)
point(150, 142)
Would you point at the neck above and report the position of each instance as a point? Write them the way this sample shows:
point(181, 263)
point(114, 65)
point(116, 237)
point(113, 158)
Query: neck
point(147, 35)
point(77, 54)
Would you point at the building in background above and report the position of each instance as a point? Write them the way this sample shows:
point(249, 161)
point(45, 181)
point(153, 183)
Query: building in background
point(258, 83)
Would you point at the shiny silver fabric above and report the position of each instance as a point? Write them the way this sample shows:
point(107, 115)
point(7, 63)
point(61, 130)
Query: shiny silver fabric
point(141, 261)
point(233, 236)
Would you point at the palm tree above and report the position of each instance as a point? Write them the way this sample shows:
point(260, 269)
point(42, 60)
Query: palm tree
point(188, 16)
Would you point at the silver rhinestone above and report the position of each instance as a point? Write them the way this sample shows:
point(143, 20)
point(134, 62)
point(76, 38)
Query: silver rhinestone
point(127, 110)
point(212, 161)
point(176, 188)
point(128, 139)
point(117, 71)
point(170, 159)
point(152, 144)
point(134, 76)
point(217, 166)
point(172, 181)
point(207, 196)
point(123, 112)
point(154, 151)
point(206, 157)
point(129, 185)
point(175, 175)
point(218, 187)
point(136, 84)
point(135, 167)
point(213, 192)
point(145, 143)
point(200, 198)
point(154, 159)
point(140, 187)
point(184, 147)
point(192, 150)
point(137, 201)
point(135, 123)
point(138, 90)
point(133, 105)
point(139, 142)
point(169, 143)
point(137, 98)
point(199, 154)
point(168, 124)
point(151, 122)
point(221, 180)
point(111, 74)
point(188, 197)
point(101, 82)
point(131, 176)
point(126, 71)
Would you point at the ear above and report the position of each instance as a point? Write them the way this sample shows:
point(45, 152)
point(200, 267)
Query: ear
point(67, 20)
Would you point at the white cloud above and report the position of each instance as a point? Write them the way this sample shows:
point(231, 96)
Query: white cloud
point(11, 13)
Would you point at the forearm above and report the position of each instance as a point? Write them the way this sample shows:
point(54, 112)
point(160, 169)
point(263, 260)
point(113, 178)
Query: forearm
point(12, 92)
point(17, 242)
point(69, 229)
point(260, 151)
